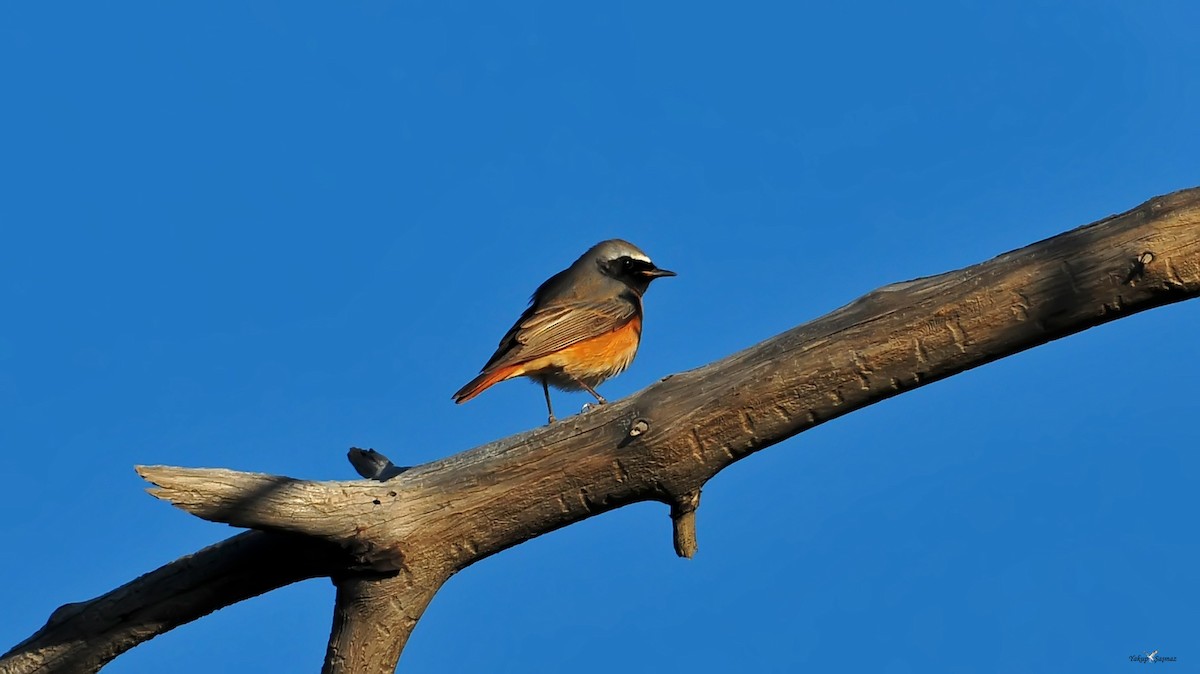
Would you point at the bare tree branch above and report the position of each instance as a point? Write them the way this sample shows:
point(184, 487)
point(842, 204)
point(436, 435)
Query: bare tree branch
point(83, 637)
point(372, 620)
point(420, 526)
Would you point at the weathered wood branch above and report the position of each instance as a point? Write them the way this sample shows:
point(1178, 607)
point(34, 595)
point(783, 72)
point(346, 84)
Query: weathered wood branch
point(407, 534)
point(372, 620)
point(83, 637)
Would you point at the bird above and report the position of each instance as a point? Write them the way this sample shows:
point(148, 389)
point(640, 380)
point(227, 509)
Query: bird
point(582, 326)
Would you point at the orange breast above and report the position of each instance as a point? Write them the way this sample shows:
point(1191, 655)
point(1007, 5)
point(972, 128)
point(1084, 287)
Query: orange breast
point(591, 360)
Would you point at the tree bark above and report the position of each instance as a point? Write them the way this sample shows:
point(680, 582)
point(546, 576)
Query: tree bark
point(372, 619)
point(84, 637)
point(404, 536)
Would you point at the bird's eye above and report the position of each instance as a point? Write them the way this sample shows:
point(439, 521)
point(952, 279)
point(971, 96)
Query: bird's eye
point(627, 263)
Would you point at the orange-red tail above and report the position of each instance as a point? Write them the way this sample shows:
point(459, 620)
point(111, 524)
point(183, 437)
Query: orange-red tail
point(480, 383)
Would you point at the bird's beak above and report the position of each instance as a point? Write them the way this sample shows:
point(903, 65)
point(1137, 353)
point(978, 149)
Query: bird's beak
point(658, 273)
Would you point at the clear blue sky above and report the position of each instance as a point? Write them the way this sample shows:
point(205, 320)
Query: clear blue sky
point(253, 234)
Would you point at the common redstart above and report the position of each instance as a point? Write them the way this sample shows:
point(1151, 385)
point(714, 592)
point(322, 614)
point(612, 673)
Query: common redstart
point(583, 325)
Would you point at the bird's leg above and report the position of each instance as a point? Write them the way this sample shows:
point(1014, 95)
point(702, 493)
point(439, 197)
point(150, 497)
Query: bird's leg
point(599, 398)
point(549, 409)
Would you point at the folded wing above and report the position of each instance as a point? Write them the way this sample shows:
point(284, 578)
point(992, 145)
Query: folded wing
point(553, 328)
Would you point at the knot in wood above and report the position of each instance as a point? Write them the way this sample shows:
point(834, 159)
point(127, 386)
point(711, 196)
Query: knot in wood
point(639, 427)
point(1137, 268)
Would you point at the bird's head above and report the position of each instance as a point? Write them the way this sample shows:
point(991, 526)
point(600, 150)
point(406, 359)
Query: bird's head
point(626, 263)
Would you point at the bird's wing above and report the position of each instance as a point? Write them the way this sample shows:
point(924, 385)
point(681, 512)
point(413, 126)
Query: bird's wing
point(542, 331)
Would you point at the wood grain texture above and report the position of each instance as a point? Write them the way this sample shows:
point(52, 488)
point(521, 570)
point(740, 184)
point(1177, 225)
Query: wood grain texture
point(83, 637)
point(664, 443)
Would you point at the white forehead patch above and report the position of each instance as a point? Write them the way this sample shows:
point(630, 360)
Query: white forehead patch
point(615, 248)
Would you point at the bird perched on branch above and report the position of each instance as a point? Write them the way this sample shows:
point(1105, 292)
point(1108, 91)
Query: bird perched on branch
point(583, 325)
